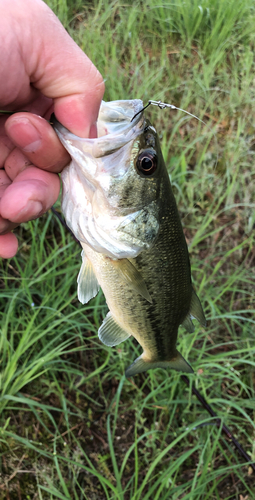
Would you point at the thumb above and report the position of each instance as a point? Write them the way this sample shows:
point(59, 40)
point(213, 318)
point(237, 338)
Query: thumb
point(60, 69)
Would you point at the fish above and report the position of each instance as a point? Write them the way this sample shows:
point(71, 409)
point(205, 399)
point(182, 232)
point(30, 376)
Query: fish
point(118, 201)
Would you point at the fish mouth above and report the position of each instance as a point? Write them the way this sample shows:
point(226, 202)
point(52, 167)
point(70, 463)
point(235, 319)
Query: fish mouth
point(115, 127)
point(117, 116)
point(92, 181)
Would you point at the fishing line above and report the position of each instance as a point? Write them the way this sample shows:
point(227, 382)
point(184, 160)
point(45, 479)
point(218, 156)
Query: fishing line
point(163, 105)
point(63, 222)
point(202, 400)
point(5, 112)
point(224, 428)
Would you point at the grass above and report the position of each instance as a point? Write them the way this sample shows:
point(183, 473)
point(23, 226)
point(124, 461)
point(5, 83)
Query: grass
point(72, 427)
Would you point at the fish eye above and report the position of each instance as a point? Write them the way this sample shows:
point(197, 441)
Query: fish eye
point(147, 162)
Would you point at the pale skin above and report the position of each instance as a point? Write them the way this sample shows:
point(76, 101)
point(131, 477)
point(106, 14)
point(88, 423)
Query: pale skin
point(42, 69)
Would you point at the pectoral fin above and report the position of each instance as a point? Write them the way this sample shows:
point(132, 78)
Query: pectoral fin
point(88, 286)
point(196, 309)
point(111, 333)
point(132, 277)
point(140, 365)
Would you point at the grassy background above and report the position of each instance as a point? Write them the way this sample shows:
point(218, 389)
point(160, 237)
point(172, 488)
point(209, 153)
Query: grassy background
point(72, 427)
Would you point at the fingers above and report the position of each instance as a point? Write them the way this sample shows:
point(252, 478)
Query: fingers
point(56, 72)
point(37, 140)
point(56, 67)
point(8, 246)
point(5, 225)
point(6, 146)
point(33, 191)
point(4, 183)
point(31, 194)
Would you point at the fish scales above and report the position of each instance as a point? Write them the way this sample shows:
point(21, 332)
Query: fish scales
point(140, 257)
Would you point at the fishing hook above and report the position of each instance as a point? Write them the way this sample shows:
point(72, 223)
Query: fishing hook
point(163, 105)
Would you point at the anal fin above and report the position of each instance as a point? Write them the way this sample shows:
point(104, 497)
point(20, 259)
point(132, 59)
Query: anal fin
point(132, 277)
point(187, 324)
point(196, 309)
point(111, 333)
point(88, 286)
point(177, 363)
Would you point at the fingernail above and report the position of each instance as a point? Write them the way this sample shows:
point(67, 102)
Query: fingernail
point(32, 210)
point(24, 135)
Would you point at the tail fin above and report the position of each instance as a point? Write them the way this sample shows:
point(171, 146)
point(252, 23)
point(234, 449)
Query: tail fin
point(140, 365)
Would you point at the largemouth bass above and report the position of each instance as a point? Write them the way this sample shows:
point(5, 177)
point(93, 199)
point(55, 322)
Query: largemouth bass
point(118, 201)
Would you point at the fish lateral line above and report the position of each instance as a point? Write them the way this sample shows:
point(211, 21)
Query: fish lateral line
point(163, 105)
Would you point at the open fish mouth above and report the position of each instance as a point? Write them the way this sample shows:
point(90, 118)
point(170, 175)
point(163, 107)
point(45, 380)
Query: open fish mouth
point(118, 201)
point(114, 121)
point(93, 182)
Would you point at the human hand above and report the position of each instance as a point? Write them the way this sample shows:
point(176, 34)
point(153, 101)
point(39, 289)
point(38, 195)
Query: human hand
point(41, 69)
